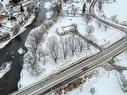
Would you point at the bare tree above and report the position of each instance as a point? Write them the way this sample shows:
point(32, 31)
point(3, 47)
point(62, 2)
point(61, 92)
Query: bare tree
point(32, 44)
point(80, 43)
point(100, 5)
point(72, 44)
point(99, 24)
point(64, 46)
point(42, 54)
point(34, 39)
point(114, 17)
point(105, 27)
point(53, 48)
point(87, 18)
point(48, 23)
point(88, 1)
point(89, 29)
point(32, 65)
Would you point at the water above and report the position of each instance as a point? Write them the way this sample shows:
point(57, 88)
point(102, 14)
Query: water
point(9, 82)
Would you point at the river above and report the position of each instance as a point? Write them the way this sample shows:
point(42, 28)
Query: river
point(9, 82)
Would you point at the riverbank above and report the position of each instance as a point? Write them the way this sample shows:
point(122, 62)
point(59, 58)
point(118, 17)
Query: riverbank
point(22, 29)
point(21, 22)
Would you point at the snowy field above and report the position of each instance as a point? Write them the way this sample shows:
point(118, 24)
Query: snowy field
point(104, 83)
point(116, 8)
point(73, 7)
point(50, 67)
point(121, 59)
point(101, 35)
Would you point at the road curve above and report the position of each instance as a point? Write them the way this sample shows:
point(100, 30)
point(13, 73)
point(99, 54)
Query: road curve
point(94, 14)
point(47, 84)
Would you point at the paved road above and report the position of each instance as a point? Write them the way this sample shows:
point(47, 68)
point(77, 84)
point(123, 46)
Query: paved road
point(46, 85)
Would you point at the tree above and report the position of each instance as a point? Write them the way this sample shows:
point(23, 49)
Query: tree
point(53, 48)
point(123, 80)
point(72, 44)
point(87, 18)
point(105, 27)
point(114, 18)
point(65, 1)
point(84, 8)
point(41, 54)
point(89, 1)
point(80, 43)
point(100, 5)
point(64, 46)
point(14, 1)
point(31, 44)
point(32, 65)
point(21, 8)
point(89, 29)
point(99, 24)
point(34, 39)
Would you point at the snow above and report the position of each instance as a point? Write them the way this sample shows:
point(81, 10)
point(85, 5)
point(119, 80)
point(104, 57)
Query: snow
point(4, 2)
point(99, 35)
point(117, 8)
point(8, 26)
point(108, 37)
point(121, 59)
point(21, 51)
point(66, 21)
point(4, 70)
point(68, 7)
point(47, 5)
point(22, 29)
point(103, 84)
point(50, 68)
point(49, 14)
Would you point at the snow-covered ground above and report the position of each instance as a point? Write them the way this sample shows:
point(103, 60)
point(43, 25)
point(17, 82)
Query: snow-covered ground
point(73, 7)
point(116, 8)
point(10, 26)
point(5, 68)
point(99, 35)
point(50, 67)
point(104, 37)
point(22, 29)
point(4, 2)
point(105, 83)
point(121, 59)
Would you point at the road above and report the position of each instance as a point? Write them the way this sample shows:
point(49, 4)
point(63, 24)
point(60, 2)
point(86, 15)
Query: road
point(46, 85)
